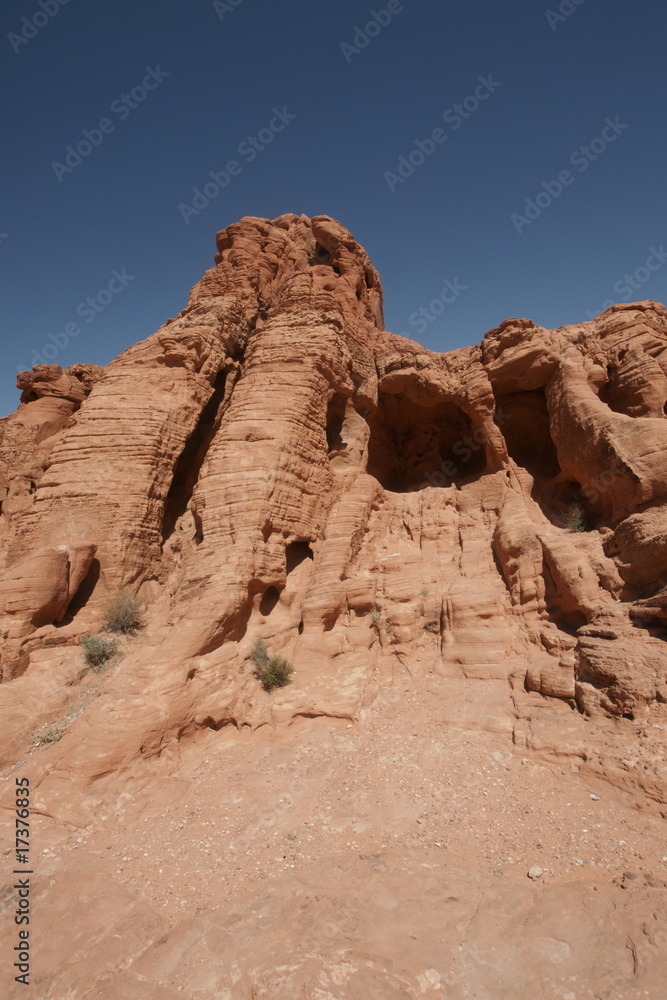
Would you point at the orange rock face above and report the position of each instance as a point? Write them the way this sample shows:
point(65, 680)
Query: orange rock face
point(488, 525)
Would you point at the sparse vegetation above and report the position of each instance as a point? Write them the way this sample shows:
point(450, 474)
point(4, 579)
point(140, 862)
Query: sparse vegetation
point(575, 519)
point(123, 613)
point(260, 654)
point(378, 621)
point(271, 671)
point(51, 733)
point(98, 649)
point(432, 626)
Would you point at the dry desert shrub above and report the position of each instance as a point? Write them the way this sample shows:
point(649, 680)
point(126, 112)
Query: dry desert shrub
point(98, 649)
point(271, 671)
point(376, 618)
point(123, 613)
point(50, 733)
point(575, 519)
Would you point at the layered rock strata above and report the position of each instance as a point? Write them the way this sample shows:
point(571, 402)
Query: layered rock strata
point(272, 464)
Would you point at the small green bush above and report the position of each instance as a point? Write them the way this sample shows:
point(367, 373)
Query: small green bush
point(97, 649)
point(575, 519)
point(277, 673)
point(271, 671)
point(123, 613)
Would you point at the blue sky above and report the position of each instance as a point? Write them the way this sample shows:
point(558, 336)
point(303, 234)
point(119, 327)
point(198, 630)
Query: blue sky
point(545, 90)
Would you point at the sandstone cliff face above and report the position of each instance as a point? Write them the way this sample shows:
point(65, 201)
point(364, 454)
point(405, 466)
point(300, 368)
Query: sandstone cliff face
point(272, 464)
point(465, 558)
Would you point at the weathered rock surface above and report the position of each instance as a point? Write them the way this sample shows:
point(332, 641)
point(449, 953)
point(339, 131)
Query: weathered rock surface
point(388, 859)
point(391, 924)
point(489, 524)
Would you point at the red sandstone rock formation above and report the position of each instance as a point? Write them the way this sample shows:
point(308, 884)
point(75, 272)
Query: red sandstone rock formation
point(273, 465)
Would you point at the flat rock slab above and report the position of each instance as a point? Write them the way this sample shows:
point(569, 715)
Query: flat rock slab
point(394, 924)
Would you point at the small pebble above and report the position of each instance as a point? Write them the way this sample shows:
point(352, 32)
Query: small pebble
point(596, 798)
point(535, 872)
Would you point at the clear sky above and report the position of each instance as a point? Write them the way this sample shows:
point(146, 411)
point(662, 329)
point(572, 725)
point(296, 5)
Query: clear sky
point(482, 104)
